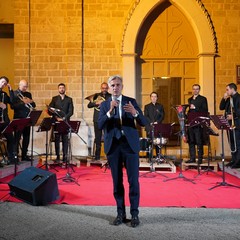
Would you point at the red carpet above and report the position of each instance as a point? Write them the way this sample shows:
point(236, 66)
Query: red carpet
point(96, 189)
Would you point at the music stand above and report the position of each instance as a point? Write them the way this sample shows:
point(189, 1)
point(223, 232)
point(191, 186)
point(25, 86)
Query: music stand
point(150, 151)
point(209, 131)
point(67, 127)
point(34, 116)
point(45, 126)
point(222, 124)
point(16, 125)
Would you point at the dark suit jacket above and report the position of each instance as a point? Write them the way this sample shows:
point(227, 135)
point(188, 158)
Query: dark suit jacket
point(153, 113)
point(128, 124)
point(7, 100)
point(92, 104)
point(65, 105)
point(20, 110)
point(225, 105)
point(200, 103)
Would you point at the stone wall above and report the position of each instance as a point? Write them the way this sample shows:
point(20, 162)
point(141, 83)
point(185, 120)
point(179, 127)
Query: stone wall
point(50, 47)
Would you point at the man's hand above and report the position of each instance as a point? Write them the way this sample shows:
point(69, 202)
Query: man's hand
point(130, 108)
point(113, 104)
point(3, 105)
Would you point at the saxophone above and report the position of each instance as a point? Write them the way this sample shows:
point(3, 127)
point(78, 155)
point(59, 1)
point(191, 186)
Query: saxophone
point(2, 116)
point(181, 109)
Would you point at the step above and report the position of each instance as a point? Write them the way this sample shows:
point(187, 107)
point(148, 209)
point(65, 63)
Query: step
point(212, 166)
point(166, 167)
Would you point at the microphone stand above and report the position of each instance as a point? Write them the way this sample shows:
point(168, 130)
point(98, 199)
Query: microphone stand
point(181, 119)
point(68, 177)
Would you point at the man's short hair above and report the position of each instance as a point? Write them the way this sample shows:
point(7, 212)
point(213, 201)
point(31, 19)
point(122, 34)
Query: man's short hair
point(61, 84)
point(232, 85)
point(113, 78)
point(196, 85)
point(153, 93)
point(5, 78)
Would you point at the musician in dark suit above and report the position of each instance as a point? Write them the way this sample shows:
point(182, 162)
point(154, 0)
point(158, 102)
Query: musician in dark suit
point(231, 104)
point(4, 118)
point(154, 113)
point(197, 103)
point(22, 105)
point(95, 103)
point(63, 103)
point(121, 144)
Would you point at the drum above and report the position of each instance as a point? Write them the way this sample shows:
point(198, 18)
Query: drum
point(160, 141)
point(144, 144)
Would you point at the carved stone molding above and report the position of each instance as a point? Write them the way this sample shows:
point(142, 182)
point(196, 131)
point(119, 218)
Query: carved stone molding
point(201, 5)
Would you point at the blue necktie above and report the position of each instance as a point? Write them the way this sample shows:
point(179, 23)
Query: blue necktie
point(117, 129)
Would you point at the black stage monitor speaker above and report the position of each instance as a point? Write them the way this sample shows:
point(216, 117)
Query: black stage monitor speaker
point(35, 186)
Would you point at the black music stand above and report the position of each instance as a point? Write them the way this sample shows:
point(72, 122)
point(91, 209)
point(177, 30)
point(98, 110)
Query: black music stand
point(209, 131)
point(45, 126)
point(150, 151)
point(16, 125)
point(222, 124)
point(34, 116)
point(68, 127)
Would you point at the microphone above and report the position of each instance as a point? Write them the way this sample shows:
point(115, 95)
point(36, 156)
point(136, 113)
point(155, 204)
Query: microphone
point(115, 108)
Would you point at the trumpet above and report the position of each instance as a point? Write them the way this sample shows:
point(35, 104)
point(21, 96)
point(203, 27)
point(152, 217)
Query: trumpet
point(232, 128)
point(21, 97)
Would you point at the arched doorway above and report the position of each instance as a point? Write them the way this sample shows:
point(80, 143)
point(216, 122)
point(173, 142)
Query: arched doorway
point(197, 65)
point(168, 59)
point(143, 11)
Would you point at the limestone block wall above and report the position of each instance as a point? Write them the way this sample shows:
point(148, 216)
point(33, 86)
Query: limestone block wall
point(225, 15)
point(64, 41)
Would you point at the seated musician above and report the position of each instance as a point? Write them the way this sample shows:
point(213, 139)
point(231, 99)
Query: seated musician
point(154, 113)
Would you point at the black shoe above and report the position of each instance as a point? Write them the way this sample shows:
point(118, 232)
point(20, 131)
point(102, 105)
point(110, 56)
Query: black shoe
point(97, 158)
point(26, 158)
point(1, 165)
point(229, 164)
point(119, 220)
point(191, 161)
point(236, 165)
point(57, 160)
point(135, 221)
point(199, 161)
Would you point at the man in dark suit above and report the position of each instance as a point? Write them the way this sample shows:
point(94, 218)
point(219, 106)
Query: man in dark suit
point(231, 104)
point(4, 118)
point(154, 113)
point(197, 103)
point(121, 144)
point(95, 103)
point(63, 106)
point(22, 105)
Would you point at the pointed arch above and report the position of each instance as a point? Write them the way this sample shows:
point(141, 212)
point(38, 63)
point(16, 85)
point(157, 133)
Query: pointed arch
point(203, 27)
